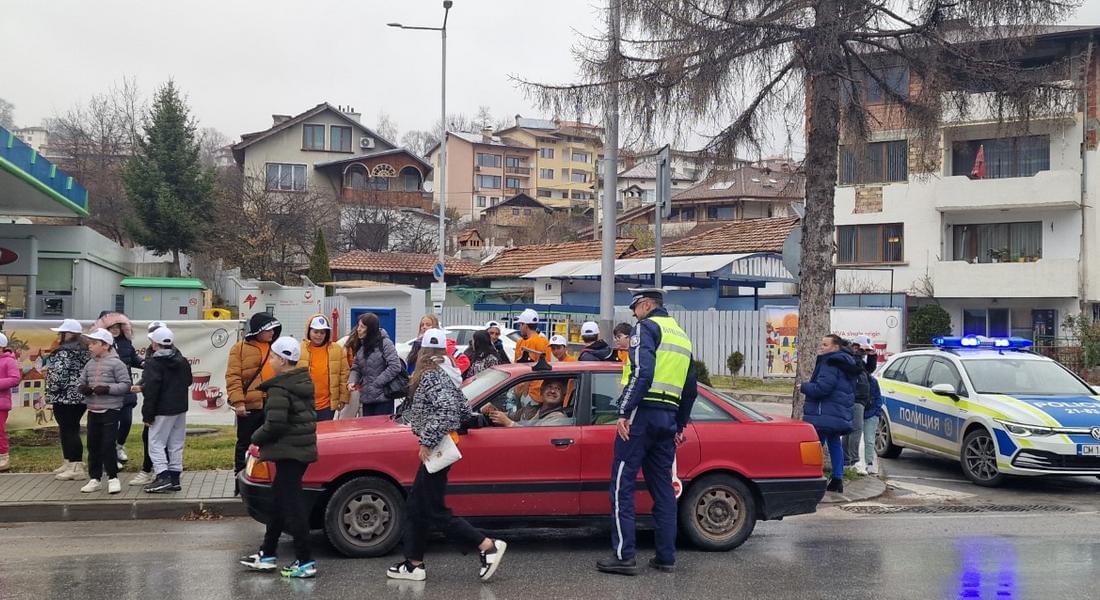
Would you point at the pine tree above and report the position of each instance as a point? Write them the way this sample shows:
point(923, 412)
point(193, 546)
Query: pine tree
point(171, 192)
point(318, 260)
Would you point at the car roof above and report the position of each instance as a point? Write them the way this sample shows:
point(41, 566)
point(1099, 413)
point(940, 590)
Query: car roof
point(972, 354)
point(572, 366)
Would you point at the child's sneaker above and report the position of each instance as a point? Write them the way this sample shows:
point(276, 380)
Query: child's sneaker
point(259, 562)
point(114, 486)
point(490, 560)
point(93, 485)
point(872, 469)
point(407, 570)
point(143, 478)
point(300, 570)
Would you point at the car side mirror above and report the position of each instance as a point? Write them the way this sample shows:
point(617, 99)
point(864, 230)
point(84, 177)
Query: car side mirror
point(945, 389)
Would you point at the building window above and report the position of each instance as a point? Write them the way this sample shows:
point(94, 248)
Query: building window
point(356, 177)
point(546, 173)
point(580, 156)
point(721, 213)
point(527, 211)
point(488, 160)
point(578, 177)
point(582, 195)
point(870, 244)
point(481, 201)
point(546, 194)
point(411, 179)
point(494, 201)
point(487, 181)
point(1004, 157)
point(341, 138)
point(511, 183)
point(380, 184)
point(546, 152)
point(515, 212)
point(286, 178)
point(515, 161)
point(313, 137)
point(896, 79)
point(998, 242)
point(882, 162)
point(993, 322)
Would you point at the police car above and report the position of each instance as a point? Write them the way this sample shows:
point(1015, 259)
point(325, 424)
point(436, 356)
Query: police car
point(992, 404)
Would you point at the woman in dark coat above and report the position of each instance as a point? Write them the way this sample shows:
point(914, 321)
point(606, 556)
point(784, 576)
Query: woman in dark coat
point(829, 399)
point(376, 364)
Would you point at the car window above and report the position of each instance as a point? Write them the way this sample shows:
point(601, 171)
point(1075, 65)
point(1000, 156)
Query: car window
point(942, 371)
point(743, 409)
point(528, 402)
point(1023, 377)
point(475, 387)
point(606, 388)
point(514, 336)
point(458, 335)
point(895, 368)
point(704, 410)
point(915, 369)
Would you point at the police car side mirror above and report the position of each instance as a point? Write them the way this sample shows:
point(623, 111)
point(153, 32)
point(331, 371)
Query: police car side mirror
point(945, 389)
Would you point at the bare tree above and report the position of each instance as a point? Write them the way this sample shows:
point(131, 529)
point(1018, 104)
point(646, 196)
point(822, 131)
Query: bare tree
point(211, 144)
point(730, 66)
point(419, 141)
point(93, 141)
point(385, 126)
point(371, 222)
point(7, 114)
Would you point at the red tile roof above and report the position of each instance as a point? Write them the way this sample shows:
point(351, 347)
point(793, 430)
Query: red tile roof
point(361, 261)
point(520, 260)
point(746, 182)
point(737, 237)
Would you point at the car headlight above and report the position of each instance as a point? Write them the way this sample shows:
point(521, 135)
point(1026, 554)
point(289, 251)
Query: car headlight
point(1023, 430)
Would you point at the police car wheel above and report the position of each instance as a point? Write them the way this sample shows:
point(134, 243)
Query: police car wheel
point(979, 459)
point(363, 518)
point(884, 442)
point(717, 513)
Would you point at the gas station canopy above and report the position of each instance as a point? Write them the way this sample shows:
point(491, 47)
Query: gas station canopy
point(758, 267)
point(30, 185)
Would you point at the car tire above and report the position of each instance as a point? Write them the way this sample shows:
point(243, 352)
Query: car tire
point(978, 458)
point(364, 517)
point(884, 442)
point(717, 513)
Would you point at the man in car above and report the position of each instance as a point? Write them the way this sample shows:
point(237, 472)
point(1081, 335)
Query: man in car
point(551, 411)
point(654, 408)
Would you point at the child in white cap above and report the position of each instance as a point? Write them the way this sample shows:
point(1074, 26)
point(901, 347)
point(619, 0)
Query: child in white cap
point(104, 383)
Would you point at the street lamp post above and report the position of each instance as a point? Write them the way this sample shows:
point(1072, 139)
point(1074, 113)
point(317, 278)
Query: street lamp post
point(447, 4)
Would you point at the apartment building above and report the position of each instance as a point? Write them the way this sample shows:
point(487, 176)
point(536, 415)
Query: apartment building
point(1002, 229)
point(564, 170)
point(483, 170)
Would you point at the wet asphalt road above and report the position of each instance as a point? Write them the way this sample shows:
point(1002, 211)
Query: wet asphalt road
point(833, 554)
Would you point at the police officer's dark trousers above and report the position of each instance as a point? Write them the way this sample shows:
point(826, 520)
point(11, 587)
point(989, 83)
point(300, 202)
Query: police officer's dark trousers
point(651, 447)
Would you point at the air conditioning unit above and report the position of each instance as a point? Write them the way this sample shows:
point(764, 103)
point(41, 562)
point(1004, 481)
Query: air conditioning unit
point(366, 143)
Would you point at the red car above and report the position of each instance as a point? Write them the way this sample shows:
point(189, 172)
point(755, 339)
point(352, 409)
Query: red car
point(737, 466)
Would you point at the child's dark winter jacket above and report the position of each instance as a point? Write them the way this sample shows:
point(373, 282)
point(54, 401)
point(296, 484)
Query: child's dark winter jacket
point(289, 431)
point(164, 385)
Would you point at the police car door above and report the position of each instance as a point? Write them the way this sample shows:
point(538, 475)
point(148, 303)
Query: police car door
point(903, 395)
point(941, 427)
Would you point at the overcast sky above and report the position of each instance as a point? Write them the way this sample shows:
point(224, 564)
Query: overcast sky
point(239, 61)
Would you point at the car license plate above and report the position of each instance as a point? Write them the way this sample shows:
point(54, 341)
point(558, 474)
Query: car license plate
point(1090, 449)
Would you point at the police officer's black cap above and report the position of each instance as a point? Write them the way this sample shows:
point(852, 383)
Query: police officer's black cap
point(644, 293)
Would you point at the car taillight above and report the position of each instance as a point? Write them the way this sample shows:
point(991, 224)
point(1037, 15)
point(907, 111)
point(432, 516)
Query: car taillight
point(811, 453)
point(257, 470)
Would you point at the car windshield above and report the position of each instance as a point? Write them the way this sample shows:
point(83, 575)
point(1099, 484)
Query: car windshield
point(1023, 377)
point(748, 412)
point(484, 381)
point(513, 335)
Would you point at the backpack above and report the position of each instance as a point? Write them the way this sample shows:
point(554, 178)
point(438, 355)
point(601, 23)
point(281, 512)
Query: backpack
point(862, 386)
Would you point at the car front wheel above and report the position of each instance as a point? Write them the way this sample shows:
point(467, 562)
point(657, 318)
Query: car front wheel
point(884, 442)
point(718, 513)
point(364, 517)
point(979, 459)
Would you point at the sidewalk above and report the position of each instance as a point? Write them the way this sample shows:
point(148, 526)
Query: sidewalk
point(40, 497)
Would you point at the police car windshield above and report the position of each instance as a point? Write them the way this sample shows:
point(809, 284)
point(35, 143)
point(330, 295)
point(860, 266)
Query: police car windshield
point(1023, 377)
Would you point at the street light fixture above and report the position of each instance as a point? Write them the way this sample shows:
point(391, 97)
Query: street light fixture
point(447, 4)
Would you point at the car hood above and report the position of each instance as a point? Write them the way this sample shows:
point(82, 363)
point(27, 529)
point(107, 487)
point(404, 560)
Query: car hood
point(360, 428)
point(1054, 411)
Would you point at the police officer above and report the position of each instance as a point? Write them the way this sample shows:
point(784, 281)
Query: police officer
point(653, 409)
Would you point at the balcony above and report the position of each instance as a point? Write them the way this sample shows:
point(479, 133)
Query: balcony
point(1057, 190)
point(512, 191)
point(525, 171)
point(983, 108)
point(387, 199)
point(1045, 278)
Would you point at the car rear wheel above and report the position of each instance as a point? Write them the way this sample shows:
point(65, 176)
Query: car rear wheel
point(884, 442)
point(979, 459)
point(718, 513)
point(364, 517)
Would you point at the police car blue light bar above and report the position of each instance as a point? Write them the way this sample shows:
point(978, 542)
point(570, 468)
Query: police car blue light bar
point(974, 341)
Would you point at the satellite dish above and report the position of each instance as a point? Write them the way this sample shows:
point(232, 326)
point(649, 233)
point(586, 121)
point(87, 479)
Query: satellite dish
point(428, 187)
point(792, 252)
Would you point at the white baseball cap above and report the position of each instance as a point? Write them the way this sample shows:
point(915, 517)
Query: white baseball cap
point(3, 341)
point(68, 326)
point(101, 335)
point(155, 325)
point(863, 341)
point(288, 348)
point(162, 336)
point(529, 317)
point(492, 324)
point(434, 338)
point(558, 340)
point(319, 322)
point(590, 328)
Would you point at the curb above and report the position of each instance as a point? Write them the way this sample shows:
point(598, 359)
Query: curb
point(859, 490)
point(21, 512)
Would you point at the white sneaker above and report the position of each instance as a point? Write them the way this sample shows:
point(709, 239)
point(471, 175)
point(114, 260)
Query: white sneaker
point(143, 478)
point(93, 485)
point(872, 469)
point(862, 470)
point(76, 472)
point(406, 570)
point(64, 467)
point(120, 450)
point(491, 560)
point(114, 486)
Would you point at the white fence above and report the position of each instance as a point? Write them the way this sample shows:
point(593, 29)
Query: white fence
point(714, 334)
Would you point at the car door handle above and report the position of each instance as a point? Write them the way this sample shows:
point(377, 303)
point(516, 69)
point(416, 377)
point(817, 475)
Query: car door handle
point(562, 442)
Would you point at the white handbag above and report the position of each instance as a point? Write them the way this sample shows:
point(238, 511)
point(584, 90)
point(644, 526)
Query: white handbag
point(443, 455)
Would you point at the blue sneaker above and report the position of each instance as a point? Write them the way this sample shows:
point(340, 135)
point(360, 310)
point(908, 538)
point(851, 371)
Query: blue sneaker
point(259, 562)
point(299, 570)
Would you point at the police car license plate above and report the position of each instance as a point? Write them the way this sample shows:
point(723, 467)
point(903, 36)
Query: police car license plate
point(1090, 449)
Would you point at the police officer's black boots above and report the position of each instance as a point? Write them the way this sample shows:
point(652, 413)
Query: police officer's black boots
point(619, 567)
